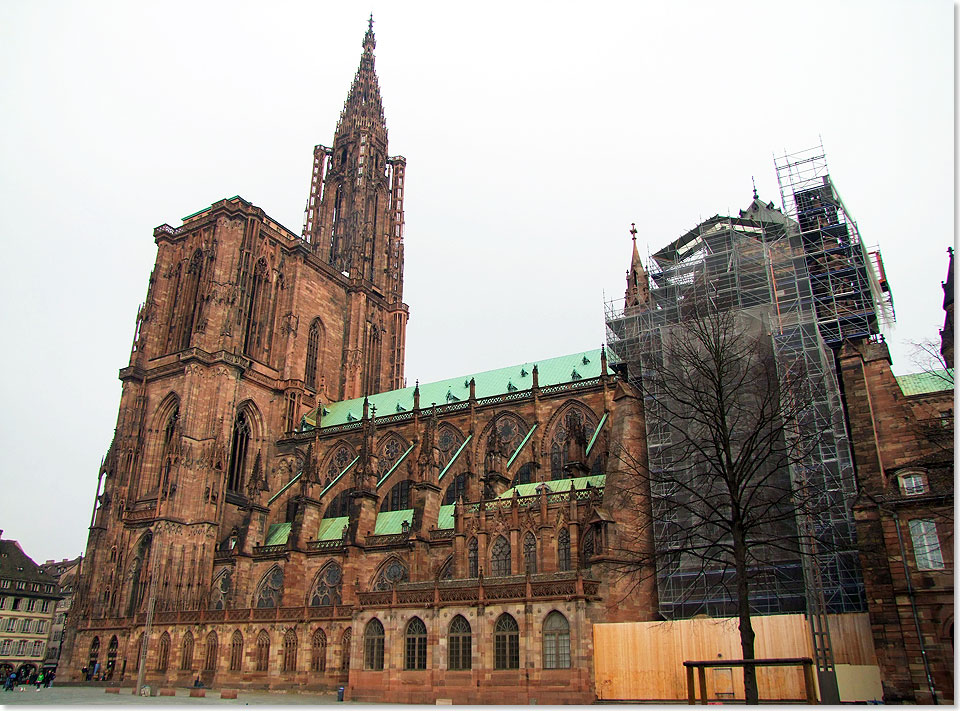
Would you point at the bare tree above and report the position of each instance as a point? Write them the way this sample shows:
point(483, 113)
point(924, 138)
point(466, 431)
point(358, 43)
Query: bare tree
point(732, 435)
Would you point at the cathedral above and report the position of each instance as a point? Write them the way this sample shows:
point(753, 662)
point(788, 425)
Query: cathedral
point(278, 510)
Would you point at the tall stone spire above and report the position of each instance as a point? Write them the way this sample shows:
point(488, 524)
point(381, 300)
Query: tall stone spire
point(638, 285)
point(354, 222)
point(363, 109)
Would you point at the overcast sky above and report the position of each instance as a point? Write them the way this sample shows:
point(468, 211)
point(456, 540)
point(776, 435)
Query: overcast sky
point(534, 133)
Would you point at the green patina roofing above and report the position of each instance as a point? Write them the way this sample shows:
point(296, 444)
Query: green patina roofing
point(445, 519)
point(391, 521)
point(331, 529)
point(277, 534)
point(552, 371)
point(556, 486)
point(933, 381)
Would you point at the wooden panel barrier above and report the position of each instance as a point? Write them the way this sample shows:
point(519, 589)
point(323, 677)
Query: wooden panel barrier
point(644, 660)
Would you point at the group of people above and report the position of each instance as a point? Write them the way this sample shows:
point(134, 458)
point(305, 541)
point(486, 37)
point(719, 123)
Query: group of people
point(38, 679)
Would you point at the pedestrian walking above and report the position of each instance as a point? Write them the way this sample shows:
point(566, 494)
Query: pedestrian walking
point(40, 678)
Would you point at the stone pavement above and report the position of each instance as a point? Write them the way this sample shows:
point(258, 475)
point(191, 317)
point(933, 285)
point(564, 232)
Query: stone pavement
point(59, 695)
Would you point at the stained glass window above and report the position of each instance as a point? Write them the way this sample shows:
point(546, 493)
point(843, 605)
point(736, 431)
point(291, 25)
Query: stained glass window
point(221, 589)
point(398, 497)
point(186, 652)
point(388, 455)
point(500, 557)
point(345, 642)
point(271, 589)
point(530, 553)
point(457, 488)
point(563, 550)
point(163, 657)
point(328, 587)
point(473, 558)
point(393, 572)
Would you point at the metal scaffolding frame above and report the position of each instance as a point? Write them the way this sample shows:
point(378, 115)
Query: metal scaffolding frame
point(759, 267)
point(850, 291)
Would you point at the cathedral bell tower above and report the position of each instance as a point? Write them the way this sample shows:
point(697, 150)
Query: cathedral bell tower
point(354, 222)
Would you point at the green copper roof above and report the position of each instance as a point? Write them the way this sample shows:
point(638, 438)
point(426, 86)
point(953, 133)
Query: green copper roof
point(392, 521)
point(445, 519)
point(932, 381)
point(552, 371)
point(277, 534)
point(557, 486)
point(331, 529)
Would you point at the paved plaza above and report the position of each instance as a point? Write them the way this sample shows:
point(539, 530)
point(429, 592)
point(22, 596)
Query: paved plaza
point(59, 695)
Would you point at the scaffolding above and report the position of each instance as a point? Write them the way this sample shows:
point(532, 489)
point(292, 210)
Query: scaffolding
point(850, 290)
point(757, 266)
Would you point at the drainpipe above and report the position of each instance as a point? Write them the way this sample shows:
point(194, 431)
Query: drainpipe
point(913, 608)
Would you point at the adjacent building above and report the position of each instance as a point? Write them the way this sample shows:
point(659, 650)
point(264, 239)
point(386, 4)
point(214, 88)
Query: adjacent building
point(28, 598)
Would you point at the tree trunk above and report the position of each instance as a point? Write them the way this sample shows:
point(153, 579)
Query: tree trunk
point(747, 636)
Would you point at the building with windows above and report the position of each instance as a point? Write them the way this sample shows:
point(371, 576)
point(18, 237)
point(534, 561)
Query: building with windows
point(902, 430)
point(295, 515)
point(28, 598)
point(64, 572)
point(279, 509)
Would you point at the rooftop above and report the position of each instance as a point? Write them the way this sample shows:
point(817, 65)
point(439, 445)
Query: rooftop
point(931, 381)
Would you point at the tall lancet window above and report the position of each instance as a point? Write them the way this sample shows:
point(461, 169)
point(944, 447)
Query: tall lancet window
point(314, 346)
point(191, 304)
point(238, 452)
point(251, 336)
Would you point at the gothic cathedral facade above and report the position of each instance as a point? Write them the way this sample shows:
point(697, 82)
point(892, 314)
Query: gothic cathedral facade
point(278, 509)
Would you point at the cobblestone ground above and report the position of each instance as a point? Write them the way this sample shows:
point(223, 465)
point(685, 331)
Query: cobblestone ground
point(56, 696)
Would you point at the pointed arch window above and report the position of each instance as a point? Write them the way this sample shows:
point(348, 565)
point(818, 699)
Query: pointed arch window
point(255, 309)
point(556, 642)
point(448, 442)
point(338, 462)
point(388, 455)
point(186, 652)
point(163, 657)
point(459, 644)
point(290, 644)
point(112, 649)
point(139, 648)
point(392, 573)
point(473, 559)
point(340, 506)
point(506, 643)
point(238, 452)
point(271, 588)
point(94, 652)
point(213, 648)
point(191, 304)
point(398, 497)
point(328, 586)
point(563, 550)
point(236, 651)
point(314, 349)
point(263, 651)
point(530, 553)
point(373, 645)
point(318, 651)
point(500, 557)
point(416, 645)
point(221, 589)
point(345, 641)
point(587, 548)
point(457, 489)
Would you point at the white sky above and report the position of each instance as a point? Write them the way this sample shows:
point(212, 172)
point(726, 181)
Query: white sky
point(535, 133)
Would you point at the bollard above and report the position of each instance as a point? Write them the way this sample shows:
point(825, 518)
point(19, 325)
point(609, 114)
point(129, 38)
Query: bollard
point(198, 693)
point(228, 693)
